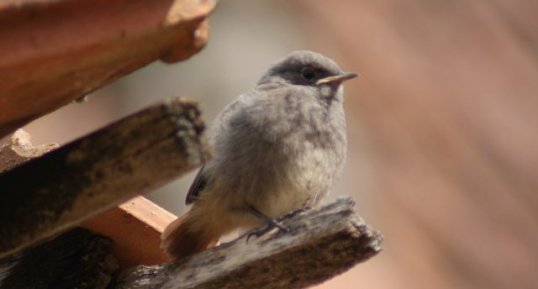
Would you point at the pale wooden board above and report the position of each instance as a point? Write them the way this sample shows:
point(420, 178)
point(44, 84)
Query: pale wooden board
point(135, 227)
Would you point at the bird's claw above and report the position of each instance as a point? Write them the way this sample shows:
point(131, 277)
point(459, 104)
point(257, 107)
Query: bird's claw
point(295, 212)
point(260, 231)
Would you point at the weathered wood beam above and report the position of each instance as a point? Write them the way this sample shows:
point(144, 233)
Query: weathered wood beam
point(321, 244)
point(68, 185)
point(135, 226)
point(75, 259)
point(56, 51)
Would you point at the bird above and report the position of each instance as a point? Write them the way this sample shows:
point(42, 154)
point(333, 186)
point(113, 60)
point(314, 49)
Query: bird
point(277, 148)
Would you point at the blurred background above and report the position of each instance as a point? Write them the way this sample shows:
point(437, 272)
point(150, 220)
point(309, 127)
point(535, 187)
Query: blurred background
point(442, 124)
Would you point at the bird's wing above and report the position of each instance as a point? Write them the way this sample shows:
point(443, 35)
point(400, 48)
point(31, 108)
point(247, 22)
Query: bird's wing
point(201, 179)
point(197, 185)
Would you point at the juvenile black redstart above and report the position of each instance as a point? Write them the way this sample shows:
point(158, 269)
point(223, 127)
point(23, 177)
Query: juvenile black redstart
point(277, 148)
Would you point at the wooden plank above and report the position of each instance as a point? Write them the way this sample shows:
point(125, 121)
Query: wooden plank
point(321, 243)
point(56, 51)
point(75, 182)
point(135, 227)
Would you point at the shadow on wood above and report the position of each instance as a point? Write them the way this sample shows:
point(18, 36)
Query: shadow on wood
point(321, 244)
point(76, 259)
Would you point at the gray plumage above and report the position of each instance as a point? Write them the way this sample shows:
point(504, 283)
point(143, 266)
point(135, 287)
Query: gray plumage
point(277, 148)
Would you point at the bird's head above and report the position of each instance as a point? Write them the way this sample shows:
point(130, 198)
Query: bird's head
point(307, 68)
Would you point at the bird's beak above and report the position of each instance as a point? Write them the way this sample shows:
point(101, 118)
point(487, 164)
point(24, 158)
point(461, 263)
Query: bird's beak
point(337, 78)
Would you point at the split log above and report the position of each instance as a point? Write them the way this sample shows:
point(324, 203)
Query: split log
point(62, 188)
point(321, 243)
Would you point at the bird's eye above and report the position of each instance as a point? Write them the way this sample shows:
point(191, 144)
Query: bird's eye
point(308, 73)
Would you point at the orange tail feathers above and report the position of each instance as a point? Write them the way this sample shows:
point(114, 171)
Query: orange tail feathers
point(180, 239)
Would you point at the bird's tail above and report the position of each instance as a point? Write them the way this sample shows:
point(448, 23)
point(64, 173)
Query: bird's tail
point(183, 238)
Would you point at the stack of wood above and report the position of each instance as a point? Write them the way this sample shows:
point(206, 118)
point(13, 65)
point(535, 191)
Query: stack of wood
point(70, 216)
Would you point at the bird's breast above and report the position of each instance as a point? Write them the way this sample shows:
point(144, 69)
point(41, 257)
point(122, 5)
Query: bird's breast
point(271, 155)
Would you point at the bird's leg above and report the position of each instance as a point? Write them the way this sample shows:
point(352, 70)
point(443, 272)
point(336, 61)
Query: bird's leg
point(269, 223)
point(296, 212)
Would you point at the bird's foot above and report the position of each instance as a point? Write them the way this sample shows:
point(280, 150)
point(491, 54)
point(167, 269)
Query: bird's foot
point(267, 227)
point(295, 212)
point(269, 224)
